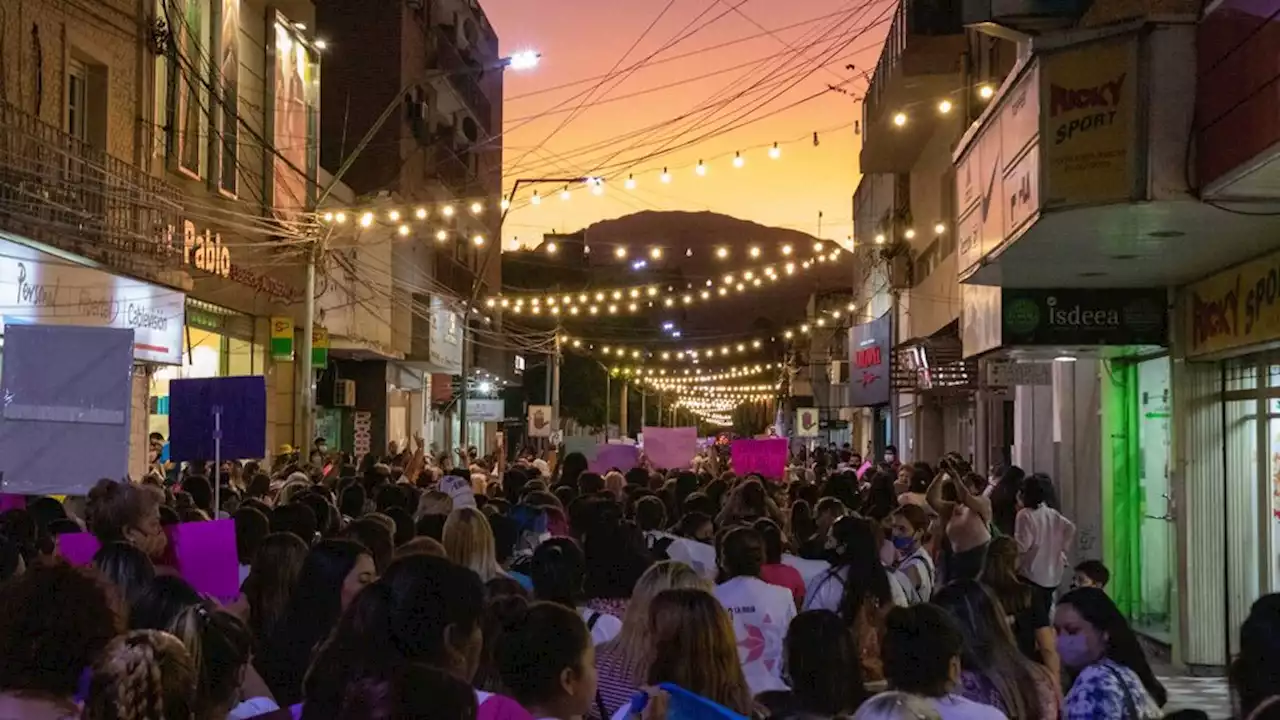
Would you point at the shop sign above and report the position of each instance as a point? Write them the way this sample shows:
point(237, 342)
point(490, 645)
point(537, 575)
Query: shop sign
point(1065, 317)
point(486, 410)
point(362, 433)
point(445, 351)
point(282, 339)
point(205, 252)
point(1089, 101)
point(319, 346)
point(979, 318)
point(807, 423)
point(1010, 373)
point(1234, 308)
point(44, 289)
point(869, 362)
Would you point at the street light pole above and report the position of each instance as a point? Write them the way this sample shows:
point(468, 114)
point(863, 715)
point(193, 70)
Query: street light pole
point(494, 246)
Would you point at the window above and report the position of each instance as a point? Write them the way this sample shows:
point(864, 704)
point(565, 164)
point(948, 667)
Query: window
point(229, 77)
point(191, 26)
point(78, 100)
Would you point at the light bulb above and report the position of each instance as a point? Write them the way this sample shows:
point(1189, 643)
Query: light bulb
point(476, 208)
point(722, 252)
point(447, 210)
point(564, 194)
point(620, 252)
point(441, 235)
point(700, 169)
point(909, 233)
point(328, 217)
point(366, 220)
point(394, 216)
point(504, 204)
point(421, 213)
point(597, 187)
point(666, 176)
point(630, 184)
point(754, 252)
point(986, 92)
point(478, 240)
point(879, 238)
point(738, 161)
point(536, 199)
point(775, 152)
point(552, 248)
point(656, 253)
point(944, 107)
point(900, 119)
point(404, 230)
point(817, 247)
point(939, 229)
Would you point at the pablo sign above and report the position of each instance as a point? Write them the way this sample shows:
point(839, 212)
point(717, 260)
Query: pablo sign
point(204, 251)
point(869, 348)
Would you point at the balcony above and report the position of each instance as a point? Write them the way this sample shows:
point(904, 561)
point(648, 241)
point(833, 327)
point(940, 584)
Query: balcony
point(919, 64)
point(1011, 18)
point(462, 75)
point(65, 193)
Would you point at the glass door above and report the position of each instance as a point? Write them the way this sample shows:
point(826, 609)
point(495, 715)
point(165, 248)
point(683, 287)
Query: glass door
point(1154, 612)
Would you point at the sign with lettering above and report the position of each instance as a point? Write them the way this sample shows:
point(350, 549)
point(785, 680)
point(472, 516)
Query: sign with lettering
point(1009, 373)
point(205, 251)
point(1235, 308)
point(1068, 317)
point(319, 346)
point(869, 346)
point(1089, 100)
point(282, 339)
point(42, 288)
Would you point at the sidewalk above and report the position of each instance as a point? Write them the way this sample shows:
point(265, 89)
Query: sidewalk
point(1209, 694)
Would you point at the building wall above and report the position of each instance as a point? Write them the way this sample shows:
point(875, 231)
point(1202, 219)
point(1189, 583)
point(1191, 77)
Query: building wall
point(38, 40)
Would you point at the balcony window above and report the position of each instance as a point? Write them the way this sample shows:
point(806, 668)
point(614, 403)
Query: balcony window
point(296, 93)
point(191, 25)
point(78, 101)
point(229, 77)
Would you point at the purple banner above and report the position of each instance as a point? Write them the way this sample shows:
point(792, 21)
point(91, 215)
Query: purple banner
point(204, 555)
point(767, 457)
point(670, 448)
point(608, 457)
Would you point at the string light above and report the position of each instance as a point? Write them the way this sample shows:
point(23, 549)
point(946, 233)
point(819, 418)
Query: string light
point(722, 252)
point(441, 235)
point(476, 208)
point(404, 230)
point(536, 199)
point(620, 252)
point(505, 204)
point(909, 233)
point(394, 216)
point(701, 169)
point(551, 248)
point(879, 238)
point(420, 213)
point(900, 119)
point(656, 253)
point(738, 161)
point(666, 176)
point(478, 240)
point(986, 92)
point(775, 152)
point(447, 210)
point(944, 107)
point(939, 228)
point(564, 194)
point(786, 249)
point(630, 184)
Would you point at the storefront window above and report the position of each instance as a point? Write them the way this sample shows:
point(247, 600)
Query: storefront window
point(206, 354)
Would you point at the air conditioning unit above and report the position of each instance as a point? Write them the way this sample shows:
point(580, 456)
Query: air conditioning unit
point(344, 393)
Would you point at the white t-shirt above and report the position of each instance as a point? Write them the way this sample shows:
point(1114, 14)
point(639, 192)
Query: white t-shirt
point(826, 590)
point(954, 707)
point(604, 627)
point(761, 615)
point(1044, 536)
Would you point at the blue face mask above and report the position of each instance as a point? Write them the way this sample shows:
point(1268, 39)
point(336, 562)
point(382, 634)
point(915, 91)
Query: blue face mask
point(1074, 650)
point(904, 543)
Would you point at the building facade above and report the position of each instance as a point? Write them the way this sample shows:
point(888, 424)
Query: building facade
point(436, 159)
point(138, 155)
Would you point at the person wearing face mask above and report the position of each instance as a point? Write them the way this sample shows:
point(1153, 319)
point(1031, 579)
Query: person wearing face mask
point(921, 652)
point(1110, 674)
point(891, 457)
point(914, 570)
point(124, 512)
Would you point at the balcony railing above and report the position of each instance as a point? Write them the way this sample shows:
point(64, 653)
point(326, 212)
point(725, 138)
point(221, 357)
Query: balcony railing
point(926, 18)
point(62, 191)
point(463, 76)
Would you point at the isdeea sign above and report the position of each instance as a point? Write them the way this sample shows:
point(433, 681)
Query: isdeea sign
point(1091, 316)
point(1234, 309)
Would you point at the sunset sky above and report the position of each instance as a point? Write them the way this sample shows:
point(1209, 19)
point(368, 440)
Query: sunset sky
point(748, 83)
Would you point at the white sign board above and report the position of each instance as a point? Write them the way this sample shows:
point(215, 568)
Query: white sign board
point(459, 489)
point(1008, 373)
point(445, 351)
point(540, 421)
point(40, 288)
point(807, 422)
point(486, 410)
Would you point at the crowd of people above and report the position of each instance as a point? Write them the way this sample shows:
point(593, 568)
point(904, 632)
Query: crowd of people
point(409, 588)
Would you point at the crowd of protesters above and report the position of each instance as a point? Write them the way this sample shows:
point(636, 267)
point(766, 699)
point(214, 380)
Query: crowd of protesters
point(410, 586)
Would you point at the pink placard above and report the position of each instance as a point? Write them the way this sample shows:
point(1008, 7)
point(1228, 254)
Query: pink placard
point(204, 555)
point(670, 448)
point(623, 457)
point(768, 457)
point(9, 501)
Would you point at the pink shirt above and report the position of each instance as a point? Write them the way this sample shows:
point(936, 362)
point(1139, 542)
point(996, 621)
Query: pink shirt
point(787, 577)
point(499, 707)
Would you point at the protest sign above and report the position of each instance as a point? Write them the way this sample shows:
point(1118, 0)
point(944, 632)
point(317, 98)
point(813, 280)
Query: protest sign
point(459, 489)
point(768, 457)
point(608, 457)
point(670, 448)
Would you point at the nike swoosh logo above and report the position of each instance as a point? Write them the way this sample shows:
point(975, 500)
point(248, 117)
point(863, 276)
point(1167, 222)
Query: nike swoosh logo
point(991, 184)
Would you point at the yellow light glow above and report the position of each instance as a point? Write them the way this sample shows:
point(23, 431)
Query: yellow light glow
point(404, 230)
point(505, 204)
point(986, 92)
point(748, 275)
point(754, 252)
point(447, 211)
point(786, 249)
point(879, 238)
point(564, 194)
point(478, 240)
point(620, 251)
point(775, 152)
point(665, 176)
point(669, 302)
point(700, 169)
point(738, 161)
point(724, 291)
point(651, 291)
point(394, 216)
point(599, 297)
point(476, 208)
point(655, 253)
point(420, 213)
point(552, 248)
point(909, 233)
point(328, 217)
point(613, 309)
point(939, 229)
point(366, 220)
point(536, 199)
point(617, 294)
point(630, 184)
point(634, 293)
point(722, 252)
point(944, 107)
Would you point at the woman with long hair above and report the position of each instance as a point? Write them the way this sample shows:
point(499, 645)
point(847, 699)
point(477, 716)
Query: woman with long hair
point(616, 556)
point(546, 658)
point(143, 675)
point(127, 567)
point(272, 578)
point(468, 540)
point(1004, 499)
point(992, 670)
point(558, 570)
point(824, 669)
point(1025, 611)
point(761, 612)
point(1044, 535)
point(1110, 674)
point(913, 571)
point(621, 662)
point(331, 576)
point(1255, 672)
point(693, 646)
point(922, 656)
point(857, 587)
